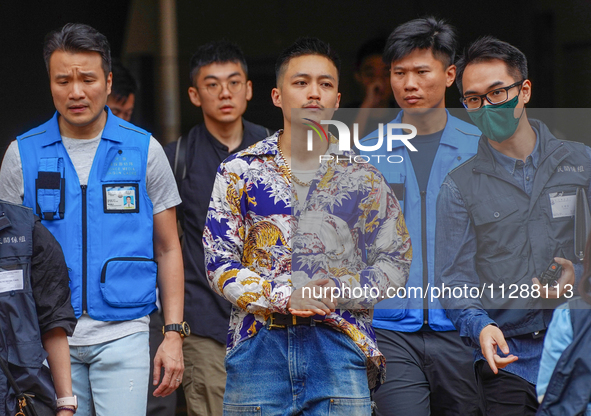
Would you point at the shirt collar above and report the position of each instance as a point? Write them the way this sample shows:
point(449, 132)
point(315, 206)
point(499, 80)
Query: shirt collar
point(216, 143)
point(268, 146)
point(510, 163)
point(448, 136)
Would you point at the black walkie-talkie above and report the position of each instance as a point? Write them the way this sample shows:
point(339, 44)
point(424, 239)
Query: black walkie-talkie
point(551, 274)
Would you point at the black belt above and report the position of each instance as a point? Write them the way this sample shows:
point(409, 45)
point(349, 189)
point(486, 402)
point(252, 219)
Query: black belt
point(279, 320)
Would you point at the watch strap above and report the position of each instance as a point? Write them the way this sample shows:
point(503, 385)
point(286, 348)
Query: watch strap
point(67, 401)
point(182, 328)
point(172, 327)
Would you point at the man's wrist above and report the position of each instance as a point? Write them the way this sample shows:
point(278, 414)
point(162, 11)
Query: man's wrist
point(67, 403)
point(182, 329)
point(481, 323)
point(173, 335)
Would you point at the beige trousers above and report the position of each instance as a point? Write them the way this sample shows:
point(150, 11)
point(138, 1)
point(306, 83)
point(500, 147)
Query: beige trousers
point(204, 380)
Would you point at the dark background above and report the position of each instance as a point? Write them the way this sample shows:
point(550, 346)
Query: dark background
point(555, 36)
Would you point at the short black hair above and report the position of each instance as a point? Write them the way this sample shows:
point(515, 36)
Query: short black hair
point(424, 33)
point(216, 52)
point(305, 46)
point(372, 47)
point(488, 48)
point(124, 83)
point(76, 38)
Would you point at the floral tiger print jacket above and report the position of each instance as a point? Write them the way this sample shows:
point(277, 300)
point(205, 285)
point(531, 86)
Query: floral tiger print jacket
point(349, 228)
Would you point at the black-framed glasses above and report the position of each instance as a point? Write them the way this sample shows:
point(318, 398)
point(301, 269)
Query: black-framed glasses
point(215, 88)
point(494, 97)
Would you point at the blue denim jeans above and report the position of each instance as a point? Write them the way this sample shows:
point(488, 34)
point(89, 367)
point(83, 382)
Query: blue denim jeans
point(112, 378)
point(301, 370)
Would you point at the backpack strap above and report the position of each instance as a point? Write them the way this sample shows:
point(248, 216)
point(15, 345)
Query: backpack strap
point(180, 170)
point(180, 159)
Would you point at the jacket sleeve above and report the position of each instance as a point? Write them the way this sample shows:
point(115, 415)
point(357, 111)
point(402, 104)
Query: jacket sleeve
point(455, 250)
point(50, 281)
point(223, 242)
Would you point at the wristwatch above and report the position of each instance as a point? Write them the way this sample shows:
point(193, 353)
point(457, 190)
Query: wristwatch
point(182, 328)
point(68, 401)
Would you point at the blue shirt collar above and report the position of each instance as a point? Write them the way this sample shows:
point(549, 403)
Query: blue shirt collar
point(447, 137)
point(510, 163)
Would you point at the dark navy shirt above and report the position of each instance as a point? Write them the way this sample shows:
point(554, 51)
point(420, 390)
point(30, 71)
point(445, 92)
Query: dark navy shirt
point(422, 159)
point(207, 313)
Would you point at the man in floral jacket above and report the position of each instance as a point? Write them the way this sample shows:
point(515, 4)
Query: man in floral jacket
point(289, 350)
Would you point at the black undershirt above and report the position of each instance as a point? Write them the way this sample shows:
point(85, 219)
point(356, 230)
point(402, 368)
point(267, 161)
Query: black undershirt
point(422, 159)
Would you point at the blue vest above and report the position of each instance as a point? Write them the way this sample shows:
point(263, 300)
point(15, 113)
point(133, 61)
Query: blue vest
point(104, 227)
point(459, 142)
point(20, 339)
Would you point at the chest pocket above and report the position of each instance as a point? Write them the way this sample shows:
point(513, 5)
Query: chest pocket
point(497, 224)
point(123, 164)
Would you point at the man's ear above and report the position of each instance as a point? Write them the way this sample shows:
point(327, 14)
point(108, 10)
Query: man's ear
point(276, 97)
point(109, 83)
point(194, 96)
point(450, 75)
point(526, 91)
point(248, 90)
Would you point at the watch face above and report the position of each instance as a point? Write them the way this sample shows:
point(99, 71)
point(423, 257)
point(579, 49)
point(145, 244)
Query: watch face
point(186, 331)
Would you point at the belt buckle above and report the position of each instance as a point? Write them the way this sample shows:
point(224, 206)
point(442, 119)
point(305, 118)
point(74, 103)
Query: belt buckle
point(273, 324)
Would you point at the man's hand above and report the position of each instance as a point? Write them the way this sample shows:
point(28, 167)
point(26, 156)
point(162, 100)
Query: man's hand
point(309, 306)
point(567, 277)
point(170, 357)
point(492, 337)
point(375, 94)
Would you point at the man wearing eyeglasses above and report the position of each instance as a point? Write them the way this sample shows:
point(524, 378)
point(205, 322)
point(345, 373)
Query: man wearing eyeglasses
point(221, 88)
point(499, 222)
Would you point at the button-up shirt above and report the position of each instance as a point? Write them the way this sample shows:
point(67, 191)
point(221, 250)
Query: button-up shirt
point(349, 228)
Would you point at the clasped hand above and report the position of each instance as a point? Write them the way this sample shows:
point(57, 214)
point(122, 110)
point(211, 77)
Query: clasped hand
point(303, 303)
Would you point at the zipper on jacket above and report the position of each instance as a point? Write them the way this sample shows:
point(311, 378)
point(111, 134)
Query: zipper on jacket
point(424, 252)
point(84, 250)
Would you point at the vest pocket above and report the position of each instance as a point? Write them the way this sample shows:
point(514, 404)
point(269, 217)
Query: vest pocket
point(129, 281)
point(494, 210)
point(498, 225)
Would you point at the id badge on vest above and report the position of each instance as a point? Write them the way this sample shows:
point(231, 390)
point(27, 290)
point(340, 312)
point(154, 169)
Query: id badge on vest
point(563, 204)
point(11, 280)
point(121, 198)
